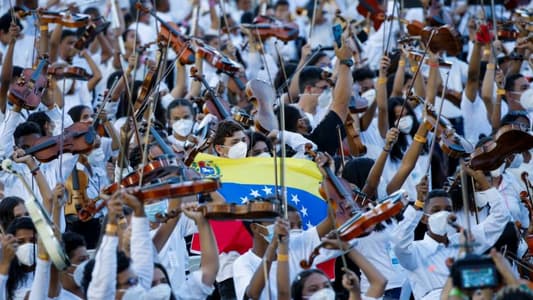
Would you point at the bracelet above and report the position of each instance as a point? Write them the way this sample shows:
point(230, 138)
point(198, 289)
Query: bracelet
point(486, 52)
point(43, 27)
point(386, 150)
point(382, 80)
point(500, 92)
point(43, 256)
point(111, 229)
point(420, 139)
point(419, 204)
point(401, 63)
point(414, 69)
point(283, 257)
point(35, 170)
point(491, 66)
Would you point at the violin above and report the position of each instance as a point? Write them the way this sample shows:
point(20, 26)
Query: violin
point(200, 147)
point(414, 27)
point(76, 186)
point(262, 96)
point(60, 72)
point(64, 18)
point(372, 9)
point(443, 38)
point(29, 88)
point(145, 88)
point(216, 59)
point(253, 210)
point(96, 26)
point(509, 139)
point(362, 223)
point(355, 143)
point(77, 138)
point(265, 27)
point(175, 188)
point(215, 105)
point(169, 33)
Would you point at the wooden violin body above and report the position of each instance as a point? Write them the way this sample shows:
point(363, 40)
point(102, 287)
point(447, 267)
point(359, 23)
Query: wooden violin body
point(29, 88)
point(96, 27)
point(77, 138)
point(260, 210)
point(175, 188)
point(372, 9)
point(60, 72)
point(76, 186)
point(65, 19)
point(282, 31)
point(443, 38)
point(509, 139)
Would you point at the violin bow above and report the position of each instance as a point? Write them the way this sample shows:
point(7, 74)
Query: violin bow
point(312, 24)
point(283, 71)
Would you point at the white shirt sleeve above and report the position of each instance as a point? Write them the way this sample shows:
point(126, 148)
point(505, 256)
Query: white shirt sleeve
point(7, 128)
point(3, 291)
point(193, 288)
point(41, 281)
point(104, 277)
point(56, 115)
point(142, 253)
point(488, 231)
point(403, 237)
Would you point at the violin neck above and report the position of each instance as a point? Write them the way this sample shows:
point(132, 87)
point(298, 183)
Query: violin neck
point(41, 146)
point(75, 179)
point(168, 151)
point(39, 70)
point(340, 188)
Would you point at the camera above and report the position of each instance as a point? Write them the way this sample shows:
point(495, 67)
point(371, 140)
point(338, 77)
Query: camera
point(475, 272)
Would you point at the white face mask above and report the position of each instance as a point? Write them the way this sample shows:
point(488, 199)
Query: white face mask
point(518, 160)
point(151, 210)
point(438, 223)
point(96, 157)
point(323, 294)
point(405, 124)
point(238, 150)
point(527, 99)
point(183, 127)
point(294, 232)
point(26, 254)
point(78, 272)
point(370, 96)
point(159, 292)
point(263, 154)
point(134, 292)
point(325, 98)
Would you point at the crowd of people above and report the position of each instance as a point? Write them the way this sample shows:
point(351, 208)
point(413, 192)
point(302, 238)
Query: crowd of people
point(431, 100)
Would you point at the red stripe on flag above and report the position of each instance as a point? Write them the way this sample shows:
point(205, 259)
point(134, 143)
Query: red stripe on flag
point(230, 236)
point(328, 267)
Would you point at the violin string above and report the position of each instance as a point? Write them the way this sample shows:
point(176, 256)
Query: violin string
point(341, 148)
point(391, 27)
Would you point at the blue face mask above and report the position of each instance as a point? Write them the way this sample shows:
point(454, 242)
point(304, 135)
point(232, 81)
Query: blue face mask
point(151, 210)
point(270, 236)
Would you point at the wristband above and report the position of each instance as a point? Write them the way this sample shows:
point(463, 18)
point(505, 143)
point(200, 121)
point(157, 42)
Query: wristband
point(486, 52)
point(401, 63)
point(500, 92)
point(283, 257)
point(386, 150)
point(382, 80)
point(414, 69)
point(111, 229)
point(419, 204)
point(43, 27)
point(420, 139)
point(43, 256)
point(491, 66)
point(34, 171)
point(433, 64)
point(457, 293)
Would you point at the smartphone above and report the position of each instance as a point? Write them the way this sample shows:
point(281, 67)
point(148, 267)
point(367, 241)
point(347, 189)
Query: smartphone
point(475, 272)
point(337, 34)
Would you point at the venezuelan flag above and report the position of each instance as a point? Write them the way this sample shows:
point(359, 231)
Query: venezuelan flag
point(249, 178)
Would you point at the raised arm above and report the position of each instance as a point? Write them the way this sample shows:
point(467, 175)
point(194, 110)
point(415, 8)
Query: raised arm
point(472, 82)
point(381, 97)
point(7, 66)
point(283, 271)
point(374, 175)
point(343, 90)
point(95, 70)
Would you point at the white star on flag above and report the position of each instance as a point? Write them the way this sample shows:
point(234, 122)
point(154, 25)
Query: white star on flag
point(294, 198)
point(244, 200)
point(304, 211)
point(254, 193)
point(267, 190)
point(309, 225)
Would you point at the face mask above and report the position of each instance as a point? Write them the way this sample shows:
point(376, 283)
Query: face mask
point(270, 235)
point(96, 157)
point(527, 99)
point(498, 172)
point(26, 254)
point(325, 98)
point(263, 154)
point(323, 294)
point(151, 210)
point(78, 272)
point(183, 127)
point(238, 150)
point(406, 124)
point(159, 292)
point(517, 161)
point(370, 96)
point(134, 292)
point(438, 222)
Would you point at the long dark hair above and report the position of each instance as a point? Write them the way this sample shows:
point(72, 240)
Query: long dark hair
point(17, 274)
point(6, 210)
point(162, 268)
point(401, 145)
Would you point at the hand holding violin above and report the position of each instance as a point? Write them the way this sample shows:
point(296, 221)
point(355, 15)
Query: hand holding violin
point(391, 138)
point(481, 181)
point(19, 156)
point(133, 202)
point(114, 206)
point(384, 66)
point(191, 210)
point(422, 189)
